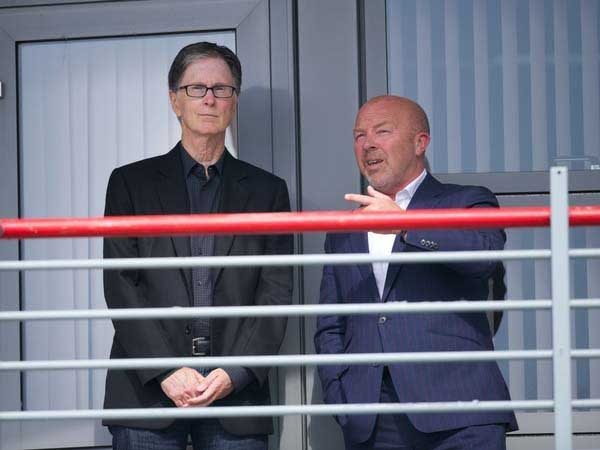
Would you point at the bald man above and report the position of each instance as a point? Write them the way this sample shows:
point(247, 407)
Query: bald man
point(391, 136)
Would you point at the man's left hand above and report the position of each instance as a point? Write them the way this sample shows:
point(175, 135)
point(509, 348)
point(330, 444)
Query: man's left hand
point(215, 386)
point(375, 201)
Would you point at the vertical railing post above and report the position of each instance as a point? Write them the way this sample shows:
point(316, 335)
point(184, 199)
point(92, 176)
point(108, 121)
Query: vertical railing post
point(561, 317)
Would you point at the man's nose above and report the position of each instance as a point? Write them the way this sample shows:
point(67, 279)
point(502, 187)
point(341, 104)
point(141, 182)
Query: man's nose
point(209, 97)
point(368, 143)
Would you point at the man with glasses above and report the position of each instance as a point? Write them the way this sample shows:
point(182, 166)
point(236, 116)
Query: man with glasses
point(197, 176)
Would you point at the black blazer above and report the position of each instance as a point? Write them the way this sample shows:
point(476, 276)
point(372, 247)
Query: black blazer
point(156, 186)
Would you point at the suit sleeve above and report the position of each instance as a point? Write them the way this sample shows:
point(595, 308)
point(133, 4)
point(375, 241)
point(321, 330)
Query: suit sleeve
point(463, 239)
point(122, 289)
point(274, 288)
point(329, 337)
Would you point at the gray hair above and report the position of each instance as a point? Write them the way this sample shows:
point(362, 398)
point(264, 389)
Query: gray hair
point(193, 52)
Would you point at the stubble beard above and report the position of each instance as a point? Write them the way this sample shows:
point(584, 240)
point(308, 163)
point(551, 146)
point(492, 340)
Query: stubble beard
point(382, 185)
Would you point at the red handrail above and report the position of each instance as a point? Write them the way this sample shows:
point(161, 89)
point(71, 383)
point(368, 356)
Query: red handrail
point(272, 223)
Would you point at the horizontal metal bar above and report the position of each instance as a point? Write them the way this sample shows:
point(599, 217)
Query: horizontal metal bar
point(277, 360)
point(290, 360)
point(584, 252)
point(284, 260)
point(277, 310)
point(586, 403)
point(264, 223)
point(272, 260)
point(290, 310)
point(314, 410)
point(290, 222)
point(585, 353)
point(586, 303)
point(280, 410)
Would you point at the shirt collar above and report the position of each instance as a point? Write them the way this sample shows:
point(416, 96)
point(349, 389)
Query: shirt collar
point(189, 163)
point(409, 191)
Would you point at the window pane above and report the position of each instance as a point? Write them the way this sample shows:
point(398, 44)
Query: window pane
point(509, 85)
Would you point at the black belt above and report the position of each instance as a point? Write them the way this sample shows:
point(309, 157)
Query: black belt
point(201, 346)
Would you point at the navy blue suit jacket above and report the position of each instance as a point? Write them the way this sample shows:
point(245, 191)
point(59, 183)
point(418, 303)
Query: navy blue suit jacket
point(421, 382)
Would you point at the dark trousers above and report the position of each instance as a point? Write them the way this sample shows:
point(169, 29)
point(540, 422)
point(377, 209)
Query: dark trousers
point(395, 431)
point(206, 434)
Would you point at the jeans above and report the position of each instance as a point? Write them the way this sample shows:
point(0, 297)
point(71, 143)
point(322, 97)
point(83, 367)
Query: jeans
point(207, 434)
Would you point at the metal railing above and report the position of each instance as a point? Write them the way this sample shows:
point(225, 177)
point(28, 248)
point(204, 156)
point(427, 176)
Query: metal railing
point(558, 216)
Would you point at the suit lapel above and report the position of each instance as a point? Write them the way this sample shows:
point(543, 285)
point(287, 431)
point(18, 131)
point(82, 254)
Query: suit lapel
point(173, 197)
point(393, 269)
point(359, 243)
point(234, 197)
point(427, 194)
point(425, 198)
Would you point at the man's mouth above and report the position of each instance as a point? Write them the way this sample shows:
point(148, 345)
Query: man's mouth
point(373, 162)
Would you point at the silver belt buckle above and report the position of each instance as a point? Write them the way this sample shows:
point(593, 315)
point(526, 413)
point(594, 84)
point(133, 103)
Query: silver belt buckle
point(200, 346)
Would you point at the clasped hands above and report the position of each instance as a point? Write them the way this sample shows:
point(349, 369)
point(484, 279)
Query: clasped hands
point(376, 201)
point(187, 387)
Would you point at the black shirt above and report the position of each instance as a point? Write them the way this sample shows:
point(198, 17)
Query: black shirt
point(204, 195)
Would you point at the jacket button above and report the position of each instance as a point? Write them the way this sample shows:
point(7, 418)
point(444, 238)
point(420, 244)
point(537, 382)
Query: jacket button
point(423, 242)
point(188, 330)
point(382, 319)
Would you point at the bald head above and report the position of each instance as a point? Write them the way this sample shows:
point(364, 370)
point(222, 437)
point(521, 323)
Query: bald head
point(405, 109)
point(391, 135)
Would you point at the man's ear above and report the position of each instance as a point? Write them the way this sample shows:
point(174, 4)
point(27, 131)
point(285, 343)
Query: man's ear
point(174, 104)
point(421, 143)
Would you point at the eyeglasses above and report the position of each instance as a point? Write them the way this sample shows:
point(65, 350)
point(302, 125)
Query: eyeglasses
point(199, 90)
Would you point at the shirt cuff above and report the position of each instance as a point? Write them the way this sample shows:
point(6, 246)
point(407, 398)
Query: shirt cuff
point(240, 377)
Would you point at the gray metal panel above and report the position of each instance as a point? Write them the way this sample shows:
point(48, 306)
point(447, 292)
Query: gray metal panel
point(124, 18)
point(374, 39)
point(328, 96)
point(10, 385)
point(328, 81)
point(254, 107)
point(285, 160)
point(283, 96)
point(8, 129)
